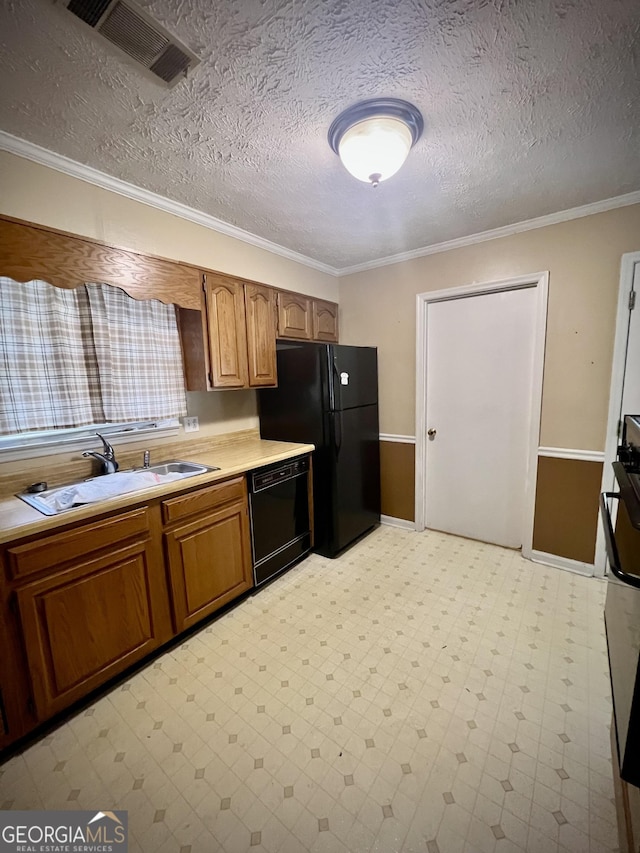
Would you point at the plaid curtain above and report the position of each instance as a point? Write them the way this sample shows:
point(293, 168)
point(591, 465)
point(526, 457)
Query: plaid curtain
point(48, 368)
point(91, 355)
point(139, 358)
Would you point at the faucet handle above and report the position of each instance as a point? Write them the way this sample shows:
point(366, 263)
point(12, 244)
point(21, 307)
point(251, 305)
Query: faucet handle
point(109, 452)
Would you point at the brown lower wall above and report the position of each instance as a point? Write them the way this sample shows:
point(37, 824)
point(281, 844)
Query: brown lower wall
point(566, 514)
point(397, 479)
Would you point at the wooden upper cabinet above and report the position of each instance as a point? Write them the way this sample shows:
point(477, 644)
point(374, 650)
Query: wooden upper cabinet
point(241, 326)
point(325, 321)
point(304, 318)
point(294, 316)
point(227, 332)
point(260, 309)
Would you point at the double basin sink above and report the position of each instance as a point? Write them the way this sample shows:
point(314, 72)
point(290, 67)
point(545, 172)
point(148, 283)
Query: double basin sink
point(63, 498)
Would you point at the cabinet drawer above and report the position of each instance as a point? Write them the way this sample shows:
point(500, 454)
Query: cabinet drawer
point(53, 551)
point(203, 500)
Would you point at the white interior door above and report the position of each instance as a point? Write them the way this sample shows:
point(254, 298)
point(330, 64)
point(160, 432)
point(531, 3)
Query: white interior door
point(479, 397)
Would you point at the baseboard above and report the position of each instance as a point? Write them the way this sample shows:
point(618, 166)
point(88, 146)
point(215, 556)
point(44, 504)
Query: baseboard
point(390, 521)
point(562, 563)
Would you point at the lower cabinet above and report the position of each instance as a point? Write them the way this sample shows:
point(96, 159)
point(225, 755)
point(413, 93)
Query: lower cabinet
point(208, 550)
point(93, 610)
point(80, 606)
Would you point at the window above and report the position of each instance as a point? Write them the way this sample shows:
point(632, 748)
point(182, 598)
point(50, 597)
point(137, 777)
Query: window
point(84, 357)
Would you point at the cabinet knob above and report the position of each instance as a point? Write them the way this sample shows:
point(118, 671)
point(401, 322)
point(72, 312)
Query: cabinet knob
point(431, 432)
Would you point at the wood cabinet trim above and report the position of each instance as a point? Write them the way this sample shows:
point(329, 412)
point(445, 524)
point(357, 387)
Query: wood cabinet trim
point(30, 251)
point(203, 499)
point(217, 353)
point(66, 259)
point(19, 711)
point(35, 556)
point(192, 327)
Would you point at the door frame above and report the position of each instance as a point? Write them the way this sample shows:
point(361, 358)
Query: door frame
point(627, 273)
point(540, 281)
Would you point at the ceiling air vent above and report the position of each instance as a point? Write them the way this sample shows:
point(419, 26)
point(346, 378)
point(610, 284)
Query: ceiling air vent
point(133, 31)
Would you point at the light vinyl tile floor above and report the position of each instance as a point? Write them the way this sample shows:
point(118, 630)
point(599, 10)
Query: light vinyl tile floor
point(420, 693)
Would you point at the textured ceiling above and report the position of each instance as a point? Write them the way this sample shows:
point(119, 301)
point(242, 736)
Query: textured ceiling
point(530, 107)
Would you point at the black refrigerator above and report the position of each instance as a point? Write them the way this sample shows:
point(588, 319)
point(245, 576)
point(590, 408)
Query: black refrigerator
point(327, 395)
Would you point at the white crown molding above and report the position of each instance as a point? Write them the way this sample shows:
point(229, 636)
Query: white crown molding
point(570, 453)
point(496, 233)
point(15, 145)
point(399, 439)
point(402, 523)
point(37, 154)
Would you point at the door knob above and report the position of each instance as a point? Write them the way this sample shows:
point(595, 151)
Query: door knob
point(431, 432)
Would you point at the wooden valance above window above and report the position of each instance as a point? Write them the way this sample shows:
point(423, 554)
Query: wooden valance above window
point(31, 252)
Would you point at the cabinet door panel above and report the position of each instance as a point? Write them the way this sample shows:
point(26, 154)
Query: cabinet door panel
point(227, 332)
point(260, 308)
point(83, 626)
point(325, 321)
point(209, 562)
point(294, 316)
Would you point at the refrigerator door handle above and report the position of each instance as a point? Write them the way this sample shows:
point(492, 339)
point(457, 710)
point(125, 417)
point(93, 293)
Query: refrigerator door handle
point(337, 427)
point(335, 388)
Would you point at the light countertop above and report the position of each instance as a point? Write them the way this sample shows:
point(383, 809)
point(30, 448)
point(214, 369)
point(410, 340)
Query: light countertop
point(18, 519)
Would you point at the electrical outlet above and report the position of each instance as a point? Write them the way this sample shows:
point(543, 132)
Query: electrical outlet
point(191, 424)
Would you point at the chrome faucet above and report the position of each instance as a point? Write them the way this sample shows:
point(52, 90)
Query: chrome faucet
point(107, 459)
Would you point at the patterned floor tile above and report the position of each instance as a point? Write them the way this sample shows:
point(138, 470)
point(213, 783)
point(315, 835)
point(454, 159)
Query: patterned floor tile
point(420, 693)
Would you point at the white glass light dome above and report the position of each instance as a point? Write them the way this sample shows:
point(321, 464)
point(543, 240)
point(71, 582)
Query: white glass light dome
point(373, 138)
point(374, 149)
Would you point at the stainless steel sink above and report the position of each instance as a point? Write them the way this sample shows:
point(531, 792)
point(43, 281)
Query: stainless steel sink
point(42, 500)
point(175, 466)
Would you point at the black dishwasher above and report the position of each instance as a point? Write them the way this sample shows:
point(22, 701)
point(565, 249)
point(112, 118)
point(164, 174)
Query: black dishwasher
point(279, 507)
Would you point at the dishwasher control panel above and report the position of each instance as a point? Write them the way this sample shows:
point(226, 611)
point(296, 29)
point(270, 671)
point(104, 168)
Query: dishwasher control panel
point(266, 478)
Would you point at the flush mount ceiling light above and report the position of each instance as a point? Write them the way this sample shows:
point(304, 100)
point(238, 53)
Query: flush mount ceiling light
point(374, 137)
